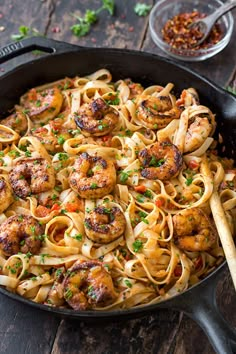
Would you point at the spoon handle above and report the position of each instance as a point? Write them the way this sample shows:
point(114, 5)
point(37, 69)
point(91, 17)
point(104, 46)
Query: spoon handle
point(222, 10)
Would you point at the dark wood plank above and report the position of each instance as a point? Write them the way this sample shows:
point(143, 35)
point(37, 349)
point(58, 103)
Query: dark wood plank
point(123, 30)
point(151, 334)
point(23, 330)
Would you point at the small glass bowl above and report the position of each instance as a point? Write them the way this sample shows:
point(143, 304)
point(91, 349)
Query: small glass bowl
point(166, 9)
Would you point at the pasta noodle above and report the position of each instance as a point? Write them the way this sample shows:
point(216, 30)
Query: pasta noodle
point(106, 193)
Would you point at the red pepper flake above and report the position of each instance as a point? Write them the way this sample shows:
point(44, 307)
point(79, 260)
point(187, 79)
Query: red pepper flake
point(56, 29)
point(122, 16)
point(1, 15)
point(179, 35)
point(131, 29)
point(93, 40)
point(2, 70)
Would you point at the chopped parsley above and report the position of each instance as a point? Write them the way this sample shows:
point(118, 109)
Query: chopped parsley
point(124, 176)
point(128, 283)
point(137, 245)
point(62, 156)
point(78, 237)
point(155, 162)
point(188, 181)
point(60, 140)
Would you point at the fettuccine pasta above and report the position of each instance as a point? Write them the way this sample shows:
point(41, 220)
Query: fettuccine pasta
point(105, 190)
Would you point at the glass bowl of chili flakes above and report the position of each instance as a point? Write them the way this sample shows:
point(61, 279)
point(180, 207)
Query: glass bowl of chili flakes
point(170, 21)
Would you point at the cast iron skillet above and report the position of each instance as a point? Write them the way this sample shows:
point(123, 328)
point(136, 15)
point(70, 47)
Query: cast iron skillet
point(199, 302)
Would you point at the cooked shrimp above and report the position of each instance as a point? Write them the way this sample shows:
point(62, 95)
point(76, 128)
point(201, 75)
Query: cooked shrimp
point(161, 160)
point(32, 175)
point(87, 285)
point(193, 230)
point(51, 135)
point(156, 112)
point(96, 118)
point(135, 88)
point(55, 295)
point(17, 122)
point(43, 105)
point(20, 233)
point(92, 176)
point(104, 225)
point(6, 195)
point(202, 124)
point(188, 98)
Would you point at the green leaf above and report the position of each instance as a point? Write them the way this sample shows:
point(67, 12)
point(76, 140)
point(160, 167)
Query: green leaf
point(109, 5)
point(25, 32)
point(142, 9)
point(90, 16)
point(80, 29)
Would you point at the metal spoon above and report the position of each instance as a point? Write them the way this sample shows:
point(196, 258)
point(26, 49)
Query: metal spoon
point(205, 25)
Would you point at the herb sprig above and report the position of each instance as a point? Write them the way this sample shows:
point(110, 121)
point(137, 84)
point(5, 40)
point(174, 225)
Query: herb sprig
point(91, 16)
point(142, 9)
point(25, 32)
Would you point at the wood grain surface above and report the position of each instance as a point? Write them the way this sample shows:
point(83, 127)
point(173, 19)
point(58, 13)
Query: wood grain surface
point(22, 328)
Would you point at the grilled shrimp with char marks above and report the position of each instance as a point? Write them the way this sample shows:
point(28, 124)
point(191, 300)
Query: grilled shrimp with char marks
point(156, 112)
point(96, 118)
point(92, 176)
point(104, 225)
point(193, 230)
point(16, 121)
point(32, 175)
point(42, 105)
point(20, 233)
point(88, 285)
point(161, 160)
point(6, 194)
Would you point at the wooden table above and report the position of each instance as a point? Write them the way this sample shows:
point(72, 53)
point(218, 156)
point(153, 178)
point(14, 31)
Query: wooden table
point(24, 330)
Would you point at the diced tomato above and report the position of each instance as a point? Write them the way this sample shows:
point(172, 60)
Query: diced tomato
point(55, 207)
point(180, 101)
point(42, 211)
point(178, 270)
point(32, 95)
point(106, 137)
point(140, 189)
point(55, 124)
point(72, 207)
point(198, 262)
point(193, 164)
point(159, 202)
point(75, 205)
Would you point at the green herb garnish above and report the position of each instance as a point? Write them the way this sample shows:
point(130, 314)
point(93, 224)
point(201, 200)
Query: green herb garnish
point(83, 27)
point(137, 245)
point(142, 9)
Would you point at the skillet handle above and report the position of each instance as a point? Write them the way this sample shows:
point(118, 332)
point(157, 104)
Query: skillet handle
point(201, 306)
point(27, 45)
